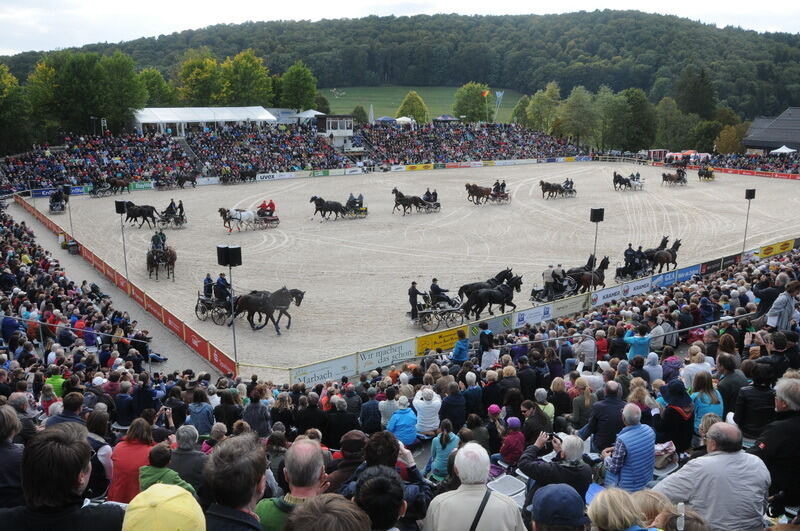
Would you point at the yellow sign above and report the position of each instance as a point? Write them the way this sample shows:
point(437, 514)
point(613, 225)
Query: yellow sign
point(444, 340)
point(569, 159)
point(570, 305)
point(776, 248)
point(488, 163)
point(418, 167)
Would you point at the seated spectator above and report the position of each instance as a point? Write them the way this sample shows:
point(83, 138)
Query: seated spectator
point(613, 509)
point(186, 460)
point(216, 436)
point(157, 471)
point(102, 465)
point(567, 467)
point(731, 381)
point(441, 447)
point(379, 493)
point(605, 420)
point(513, 443)
point(447, 511)
point(130, 454)
point(630, 463)
point(705, 399)
point(256, 414)
point(20, 402)
point(581, 404)
point(330, 512)
point(227, 412)
point(73, 403)
point(427, 404)
point(727, 487)
point(53, 500)
point(352, 446)
point(708, 420)
point(163, 506)
point(454, 407)
point(676, 422)
point(124, 405)
point(10, 459)
point(755, 404)
point(558, 507)
point(652, 504)
point(639, 342)
point(339, 421)
point(235, 477)
point(403, 423)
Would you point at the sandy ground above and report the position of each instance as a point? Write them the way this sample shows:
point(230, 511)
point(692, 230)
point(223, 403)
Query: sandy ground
point(356, 272)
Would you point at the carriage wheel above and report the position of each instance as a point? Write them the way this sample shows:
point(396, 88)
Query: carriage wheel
point(274, 223)
point(453, 318)
point(201, 311)
point(428, 321)
point(219, 315)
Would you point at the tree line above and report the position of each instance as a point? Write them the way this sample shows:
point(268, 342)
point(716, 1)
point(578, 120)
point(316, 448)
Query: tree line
point(752, 73)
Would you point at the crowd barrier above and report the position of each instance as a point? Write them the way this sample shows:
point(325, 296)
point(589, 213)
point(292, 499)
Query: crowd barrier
point(200, 345)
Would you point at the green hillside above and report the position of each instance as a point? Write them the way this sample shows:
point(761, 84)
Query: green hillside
point(386, 100)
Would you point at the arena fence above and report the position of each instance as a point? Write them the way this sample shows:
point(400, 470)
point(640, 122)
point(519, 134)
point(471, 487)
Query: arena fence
point(414, 347)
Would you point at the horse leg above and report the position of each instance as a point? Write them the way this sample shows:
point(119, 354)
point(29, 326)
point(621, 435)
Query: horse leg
point(275, 322)
point(289, 324)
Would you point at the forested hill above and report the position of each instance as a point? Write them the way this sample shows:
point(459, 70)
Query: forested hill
point(753, 73)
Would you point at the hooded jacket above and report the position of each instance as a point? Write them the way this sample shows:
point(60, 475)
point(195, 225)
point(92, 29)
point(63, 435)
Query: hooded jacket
point(150, 475)
point(652, 367)
point(403, 425)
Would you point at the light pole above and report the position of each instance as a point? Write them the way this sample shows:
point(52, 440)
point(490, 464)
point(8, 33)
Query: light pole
point(596, 215)
point(749, 194)
point(120, 209)
point(231, 256)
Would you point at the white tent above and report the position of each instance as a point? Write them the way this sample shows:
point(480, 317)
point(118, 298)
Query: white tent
point(405, 120)
point(305, 115)
point(782, 150)
point(180, 116)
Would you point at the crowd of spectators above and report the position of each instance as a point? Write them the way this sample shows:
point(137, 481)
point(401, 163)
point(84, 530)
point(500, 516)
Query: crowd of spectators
point(84, 159)
point(269, 149)
point(655, 399)
point(787, 163)
point(458, 142)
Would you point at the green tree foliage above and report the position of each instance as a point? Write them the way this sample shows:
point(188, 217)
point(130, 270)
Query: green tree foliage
point(123, 91)
point(543, 107)
point(245, 81)
point(199, 79)
point(577, 114)
point(41, 91)
point(298, 87)
point(159, 92)
point(726, 116)
point(730, 138)
point(519, 115)
point(322, 104)
point(694, 92)
point(414, 107)
point(639, 123)
point(360, 115)
point(610, 112)
point(14, 114)
point(673, 127)
point(703, 135)
point(470, 102)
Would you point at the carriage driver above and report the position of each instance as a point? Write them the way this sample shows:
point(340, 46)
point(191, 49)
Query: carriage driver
point(208, 286)
point(222, 290)
point(547, 278)
point(427, 196)
point(413, 293)
point(503, 187)
point(158, 242)
point(438, 294)
point(434, 196)
point(266, 209)
point(352, 202)
point(170, 210)
point(630, 256)
point(567, 184)
point(181, 212)
point(496, 187)
point(360, 200)
point(639, 258)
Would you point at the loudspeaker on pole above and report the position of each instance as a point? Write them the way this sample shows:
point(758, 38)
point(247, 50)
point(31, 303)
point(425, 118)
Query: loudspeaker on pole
point(596, 215)
point(750, 193)
point(119, 206)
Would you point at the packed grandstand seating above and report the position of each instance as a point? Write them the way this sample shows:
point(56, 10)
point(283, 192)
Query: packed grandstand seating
point(787, 163)
point(210, 452)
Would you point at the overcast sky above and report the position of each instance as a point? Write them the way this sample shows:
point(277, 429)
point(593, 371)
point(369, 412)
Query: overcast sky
point(51, 24)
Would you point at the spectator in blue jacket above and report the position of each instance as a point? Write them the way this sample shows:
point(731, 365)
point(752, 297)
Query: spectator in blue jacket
point(124, 405)
point(454, 407)
point(640, 343)
point(201, 414)
point(403, 423)
point(460, 352)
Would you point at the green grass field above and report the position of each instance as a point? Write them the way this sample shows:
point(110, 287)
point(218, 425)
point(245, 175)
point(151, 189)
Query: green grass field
point(386, 100)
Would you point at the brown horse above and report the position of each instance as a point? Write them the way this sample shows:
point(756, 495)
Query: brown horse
point(672, 178)
point(667, 256)
point(551, 189)
point(591, 279)
point(477, 193)
point(119, 185)
point(158, 258)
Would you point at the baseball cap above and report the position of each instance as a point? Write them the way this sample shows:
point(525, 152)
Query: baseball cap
point(494, 409)
point(513, 422)
point(98, 381)
point(164, 507)
point(558, 504)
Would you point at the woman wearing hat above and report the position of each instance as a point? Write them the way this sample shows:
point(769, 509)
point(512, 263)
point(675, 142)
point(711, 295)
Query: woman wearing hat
point(676, 423)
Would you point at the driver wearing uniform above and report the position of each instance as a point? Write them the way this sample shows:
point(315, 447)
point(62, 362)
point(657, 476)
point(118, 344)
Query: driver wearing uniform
point(630, 257)
point(640, 259)
point(352, 202)
point(438, 293)
point(496, 187)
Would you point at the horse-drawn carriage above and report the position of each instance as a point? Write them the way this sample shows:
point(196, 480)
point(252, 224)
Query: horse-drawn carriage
point(58, 202)
point(679, 177)
point(432, 316)
point(566, 288)
point(171, 220)
point(218, 309)
point(352, 209)
point(408, 202)
point(632, 182)
point(483, 194)
point(101, 189)
point(633, 270)
point(247, 219)
point(158, 258)
point(553, 190)
point(705, 173)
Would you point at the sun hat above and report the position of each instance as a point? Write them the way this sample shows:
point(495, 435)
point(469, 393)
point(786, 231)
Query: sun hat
point(164, 507)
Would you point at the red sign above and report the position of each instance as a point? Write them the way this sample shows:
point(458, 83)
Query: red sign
point(121, 282)
point(451, 165)
point(219, 360)
point(153, 307)
point(174, 324)
point(195, 341)
point(109, 272)
point(137, 295)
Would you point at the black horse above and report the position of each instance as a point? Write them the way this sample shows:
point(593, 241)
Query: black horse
point(667, 257)
point(146, 212)
point(264, 304)
point(649, 254)
point(326, 208)
point(620, 182)
point(183, 179)
point(577, 271)
point(467, 289)
point(502, 295)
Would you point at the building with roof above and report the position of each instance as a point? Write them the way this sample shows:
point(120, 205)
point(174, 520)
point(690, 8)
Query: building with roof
point(175, 120)
point(770, 133)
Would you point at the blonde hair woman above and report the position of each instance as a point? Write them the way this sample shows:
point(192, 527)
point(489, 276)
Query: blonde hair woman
point(613, 509)
point(581, 404)
point(651, 503)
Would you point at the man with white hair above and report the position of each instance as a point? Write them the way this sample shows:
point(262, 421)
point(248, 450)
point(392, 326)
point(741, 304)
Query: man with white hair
point(472, 505)
point(427, 403)
point(777, 445)
point(186, 460)
point(630, 462)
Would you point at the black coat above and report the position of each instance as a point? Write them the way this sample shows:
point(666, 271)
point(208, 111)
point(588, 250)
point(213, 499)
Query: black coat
point(605, 421)
point(676, 425)
point(617, 348)
point(767, 295)
point(339, 423)
point(778, 448)
point(310, 417)
point(755, 408)
point(529, 382)
point(491, 395)
point(454, 408)
point(729, 388)
point(73, 517)
point(189, 466)
point(547, 473)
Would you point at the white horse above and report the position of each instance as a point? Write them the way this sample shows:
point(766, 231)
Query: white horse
point(243, 218)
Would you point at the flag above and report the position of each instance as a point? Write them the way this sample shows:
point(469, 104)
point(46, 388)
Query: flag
point(484, 93)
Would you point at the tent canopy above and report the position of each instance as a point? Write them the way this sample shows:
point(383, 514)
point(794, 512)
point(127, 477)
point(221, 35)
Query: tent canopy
point(310, 113)
point(446, 118)
point(783, 149)
point(387, 119)
point(405, 120)
point(167, 115)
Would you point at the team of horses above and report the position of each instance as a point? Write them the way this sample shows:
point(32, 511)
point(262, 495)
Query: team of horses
point(264, 304)
point(478, 194)
point(674, 178)
point(326, 208)
point(157, 258)
point(556, 190)
point(498, 290)
point(407, 202)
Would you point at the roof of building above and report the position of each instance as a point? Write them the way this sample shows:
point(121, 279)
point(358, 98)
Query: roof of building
point(166, 115)
point(783, 130)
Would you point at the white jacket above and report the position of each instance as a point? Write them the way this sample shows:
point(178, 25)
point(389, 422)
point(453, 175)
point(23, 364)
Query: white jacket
point(728, 489)
point(427, 412)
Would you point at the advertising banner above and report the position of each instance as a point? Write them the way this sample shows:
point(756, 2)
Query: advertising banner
point(339, 171)
point(153, 307)
point(731, 260)
point(174, 324)
point(496, 324)
point(121, 282)
point(685, 273)
point(98, 264)
point(385, 356)
point(195, 341)
point(488, 163)
point(602, 296)
point(204, 181)
point(750, 255)
point(138, 296)
point(109, 272)
point(218, 359)
point(533, 316)
point(776, 248)
point(141, 185)
point(332, 369)
point(451, 165)
point(439, 166)
point(319, 173)
point(443, 339)
point(465, 165)
point(45, 192)
point(664, 279)
point(568, 159)
point(419, 167)
point(711, 267)
point(570, 305)
point(503, 163)
point(353, 171)
point(274, 176)
point(396, 167)
point(476, 164)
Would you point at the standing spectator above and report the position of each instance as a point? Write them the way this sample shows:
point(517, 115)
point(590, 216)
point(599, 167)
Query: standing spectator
point(339, 421)
point(528, 378)
point(698, 364)
point(671, 364)
point(781, 311)
point(390, 405)
point(605, 420)
point(581, 404)
point(403, 423)
point(10, 459)
point(485, 341)
point(53, 500)
point(473, 505)
point(201, 414)
point(536, 421)
point(128, 456)
point(102, 465)
point(639, 343)
point(473, 396)
point(177, 405)
point(618, 347)
point(124, 405)
point(728, 487)
point(305, 473)
point(731, 381)
point(227, 412)
point(235, 476)
point(186, 460)
point(630, 463)
point(427, 403)
point(586, 351)
point(256, 414)
point(454, 407)
point(309, 415)
point(370, 415)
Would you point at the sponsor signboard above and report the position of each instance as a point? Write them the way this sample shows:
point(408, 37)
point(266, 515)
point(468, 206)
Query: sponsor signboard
point(439, 166)
point(153, 307)
point(685, 273)
point(476, 164)
point(339, 171)
point(711, 267)
point(141, 185)
point(174, 324)
point(664, 279)
point(488, 163)
point(195, 341)
point(443, 339)
point(274, 176)
point(568, 159)
point(332, 369)
point(731, 260)
point(465, 165)
point(319, 173)
point(385, 356)
point(396, 167)
point(602, 296)
point(570, 305)
point(419, 167)
point(776, 248)
point(636, 287)
point(219, 360)
point(496, 324)
point(204, 181)
point(451, 165)
point(138, 296)
point(533, 316)
point(121, 282)
point(109, 272)
point(352, 171)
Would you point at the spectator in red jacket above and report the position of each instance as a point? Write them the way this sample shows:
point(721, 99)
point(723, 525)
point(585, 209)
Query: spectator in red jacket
point(128, 456)
point(513, 443)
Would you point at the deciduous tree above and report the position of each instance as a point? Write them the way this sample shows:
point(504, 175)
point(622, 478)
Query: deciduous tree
point(543, 107)
point(321, 104)
point(703, 135)
point(123, 91)
point(695, 93)
point(610, 110)
point(245, 81)
point(474, 101)
point(673, 127)
point(730, 138)
point(577, 114)
point(199, 78)
point(159, 92)
point(298, 87)
point(360, 115)
point(414, 107)
point(639, 125)
point(519, 115)
point(14, 114)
